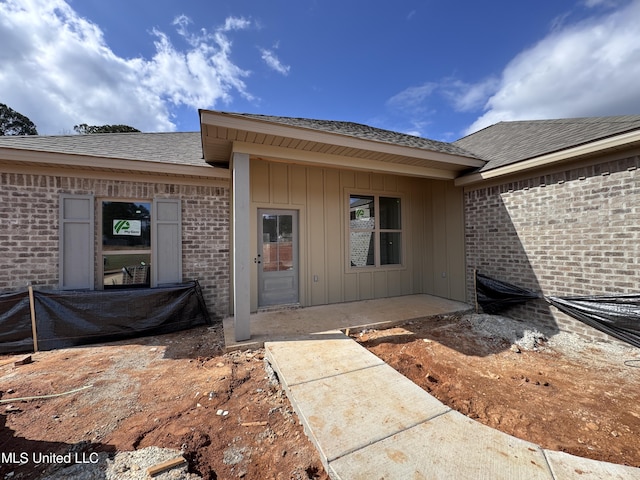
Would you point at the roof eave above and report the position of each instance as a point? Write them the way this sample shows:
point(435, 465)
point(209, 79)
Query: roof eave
point(265, 127)
point(616, 142)
point(54, 159)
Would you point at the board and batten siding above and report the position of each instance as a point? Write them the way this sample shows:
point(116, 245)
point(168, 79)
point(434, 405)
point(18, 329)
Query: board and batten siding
point(433, 232)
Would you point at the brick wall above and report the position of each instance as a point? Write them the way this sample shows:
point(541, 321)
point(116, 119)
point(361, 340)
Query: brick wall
point(29, 241)
point(573, 232)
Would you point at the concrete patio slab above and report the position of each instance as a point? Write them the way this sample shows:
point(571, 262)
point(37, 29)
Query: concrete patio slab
point(292, 322)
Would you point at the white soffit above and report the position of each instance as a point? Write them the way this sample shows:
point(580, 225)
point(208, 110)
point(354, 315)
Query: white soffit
point(359, 153)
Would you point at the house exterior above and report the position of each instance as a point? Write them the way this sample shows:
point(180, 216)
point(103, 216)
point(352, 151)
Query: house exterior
point(555, 210)
point(60, 197)
point(268, 211)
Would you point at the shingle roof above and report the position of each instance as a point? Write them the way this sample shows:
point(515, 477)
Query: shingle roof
point(509, 142)
point(365, 132)
point(182, 148)
point(501, 144)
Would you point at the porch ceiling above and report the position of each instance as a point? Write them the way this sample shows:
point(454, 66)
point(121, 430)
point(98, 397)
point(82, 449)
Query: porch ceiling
point(224, 133)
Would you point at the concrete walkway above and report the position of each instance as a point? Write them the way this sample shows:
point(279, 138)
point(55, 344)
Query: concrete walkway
point(370, 422)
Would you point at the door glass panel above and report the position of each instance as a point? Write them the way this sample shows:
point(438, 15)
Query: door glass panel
point(277, 243)
point(270, 243)
point(285, 242)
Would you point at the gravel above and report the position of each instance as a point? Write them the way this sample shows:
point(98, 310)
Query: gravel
point(501, 328)
point(124, 466)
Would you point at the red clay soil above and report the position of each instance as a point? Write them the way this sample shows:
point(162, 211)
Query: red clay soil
point(166, 391)
point(160, 391)
point(579, 398)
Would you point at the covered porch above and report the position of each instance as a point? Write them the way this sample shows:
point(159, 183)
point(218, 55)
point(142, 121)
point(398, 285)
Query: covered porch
point(295, 322)
point(326, 213)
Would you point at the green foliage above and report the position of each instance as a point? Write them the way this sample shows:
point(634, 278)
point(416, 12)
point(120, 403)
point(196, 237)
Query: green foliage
point(14, 123)
point(84, 129)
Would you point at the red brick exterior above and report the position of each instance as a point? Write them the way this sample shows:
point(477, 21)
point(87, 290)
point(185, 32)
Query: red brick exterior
point(573, 232)
point(29, 238)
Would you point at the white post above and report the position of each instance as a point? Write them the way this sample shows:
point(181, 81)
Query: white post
point(241, 247)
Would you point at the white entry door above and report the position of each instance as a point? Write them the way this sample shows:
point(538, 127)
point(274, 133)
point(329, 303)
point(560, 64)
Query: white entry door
point(277, 257)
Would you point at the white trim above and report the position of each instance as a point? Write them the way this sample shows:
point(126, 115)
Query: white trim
point(241, 247)
point(303, 157)
point(50, 159)
point(72, 172)
point(600, 146)
point(267, 127)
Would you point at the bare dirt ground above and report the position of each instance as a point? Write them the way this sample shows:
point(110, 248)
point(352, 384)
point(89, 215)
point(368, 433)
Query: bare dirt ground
point(163, 391)
point(563, 394)
point(231, 420)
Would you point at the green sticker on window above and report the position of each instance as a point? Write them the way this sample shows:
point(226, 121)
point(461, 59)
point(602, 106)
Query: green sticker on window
point(127, 227)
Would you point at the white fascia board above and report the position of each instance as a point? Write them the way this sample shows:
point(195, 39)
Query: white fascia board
point(52, 159)
point(300, 133)
point(611, 143)
point(337, 161)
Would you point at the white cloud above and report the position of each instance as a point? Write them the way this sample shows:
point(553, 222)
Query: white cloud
point(412, 98)
point(599, 3)
point(235, 23)
point(587, 69)
point(467, 97)
point(58, 70)
point(273, 62)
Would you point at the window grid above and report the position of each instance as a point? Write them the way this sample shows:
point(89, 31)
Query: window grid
point(375, 231)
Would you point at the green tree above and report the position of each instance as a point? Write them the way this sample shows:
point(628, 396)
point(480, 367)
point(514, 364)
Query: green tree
point(84, 129)
point(14, 123)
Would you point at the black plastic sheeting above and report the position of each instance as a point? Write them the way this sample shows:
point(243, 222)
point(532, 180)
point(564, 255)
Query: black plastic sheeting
point(70, 318)
point(494, 296)
point(615, 315)
point(618, 316)
point(15, 323)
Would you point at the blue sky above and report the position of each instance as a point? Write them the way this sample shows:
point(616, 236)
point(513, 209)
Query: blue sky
point(430, 68)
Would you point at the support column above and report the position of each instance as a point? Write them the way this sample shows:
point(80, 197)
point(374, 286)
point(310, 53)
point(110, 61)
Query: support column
point(241, 247)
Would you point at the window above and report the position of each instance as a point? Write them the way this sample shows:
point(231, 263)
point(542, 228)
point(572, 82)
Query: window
point(126, 244)
point(140, 243)
point(375, 230)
